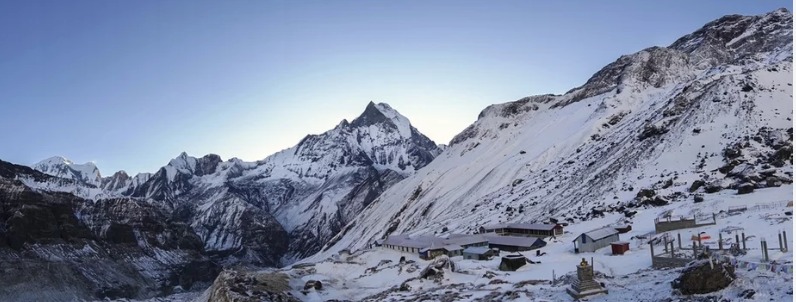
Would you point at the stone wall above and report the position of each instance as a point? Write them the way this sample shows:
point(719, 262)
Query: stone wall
point(668, 262)
point(665, 226)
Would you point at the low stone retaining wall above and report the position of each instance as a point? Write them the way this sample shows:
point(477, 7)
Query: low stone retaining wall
point(668, 262)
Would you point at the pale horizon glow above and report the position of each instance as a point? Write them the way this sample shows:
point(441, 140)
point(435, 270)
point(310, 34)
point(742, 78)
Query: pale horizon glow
point(130, 86)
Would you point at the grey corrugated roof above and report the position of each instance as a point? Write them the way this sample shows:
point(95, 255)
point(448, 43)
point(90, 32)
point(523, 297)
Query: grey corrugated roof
point(426, 242)
point(600, 233)
point(532, 226)
point(495, 226)
point(417, 242)
point(513, 240)
point(466, 240)
point(478, 250)
point(452, 247)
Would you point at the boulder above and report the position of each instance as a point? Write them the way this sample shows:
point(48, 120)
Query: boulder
point(732, 152)
point(746, 188)
point(747, 294)
point(696, 185)
point(783, 154)
point(773, 181)
point(649, 193)
point(712, 188)
point(659, 201)
point(651, 130)
point(245, 287)
point(313, 284)
point(429, 272)
point(700, 277)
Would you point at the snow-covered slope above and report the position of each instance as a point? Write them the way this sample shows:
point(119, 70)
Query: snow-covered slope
point(377, 274)
point(714, 108)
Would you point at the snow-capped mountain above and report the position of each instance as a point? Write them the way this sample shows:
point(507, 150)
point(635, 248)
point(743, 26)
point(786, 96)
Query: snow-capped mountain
point(61, 167)
point(120, 181)
point(181, 223)
point(710, 112)
point(698, 123)
point(299, 197)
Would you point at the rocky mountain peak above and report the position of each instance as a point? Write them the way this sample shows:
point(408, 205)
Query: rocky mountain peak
point(207, 164)
point(383, 114)
point(371, 116)
point(732, 39)
point(118, 181)
point(735, 37)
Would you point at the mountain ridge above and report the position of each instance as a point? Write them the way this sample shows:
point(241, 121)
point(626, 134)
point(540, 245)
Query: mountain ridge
point(348, 166)
point(591, 150)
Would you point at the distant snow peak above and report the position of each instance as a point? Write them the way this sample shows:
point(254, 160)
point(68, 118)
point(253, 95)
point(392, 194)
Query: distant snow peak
point(62, 167)
point(186, 164)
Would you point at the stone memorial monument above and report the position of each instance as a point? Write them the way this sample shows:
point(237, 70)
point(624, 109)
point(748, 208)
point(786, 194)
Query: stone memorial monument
point(585, 285)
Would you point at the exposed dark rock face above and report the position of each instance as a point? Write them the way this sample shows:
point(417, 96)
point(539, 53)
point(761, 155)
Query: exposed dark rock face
point(115, 248)
point(721, 41)
point(701, 278)
point(117, 181)
point(696, 185)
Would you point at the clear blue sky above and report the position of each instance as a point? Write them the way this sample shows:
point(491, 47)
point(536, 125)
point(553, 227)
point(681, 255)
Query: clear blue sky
point(131, 84)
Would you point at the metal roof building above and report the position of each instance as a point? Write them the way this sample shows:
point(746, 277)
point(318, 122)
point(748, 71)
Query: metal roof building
point(524, 229)
point(515, 243)
point(595, 239)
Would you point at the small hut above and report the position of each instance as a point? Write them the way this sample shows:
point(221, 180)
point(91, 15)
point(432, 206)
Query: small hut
point(477, 253)
point(619, 247)
point(512, 262)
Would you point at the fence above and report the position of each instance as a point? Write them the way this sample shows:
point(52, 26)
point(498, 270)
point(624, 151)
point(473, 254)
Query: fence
point(682, 223)
point(758, 207)
point(779, 268)
point(679, 257)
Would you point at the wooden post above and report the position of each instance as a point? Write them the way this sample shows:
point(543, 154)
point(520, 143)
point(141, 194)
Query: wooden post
point(672, 248)
point(679, 242)
point(779, 239)
point(766, 250)
point(743, 240)
point(699, 238)
point(665, 245)
point(763, 249)
point(721, 243)
point(694, 247)
point(737, 241)
point(652, 250)
point(785, 240)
